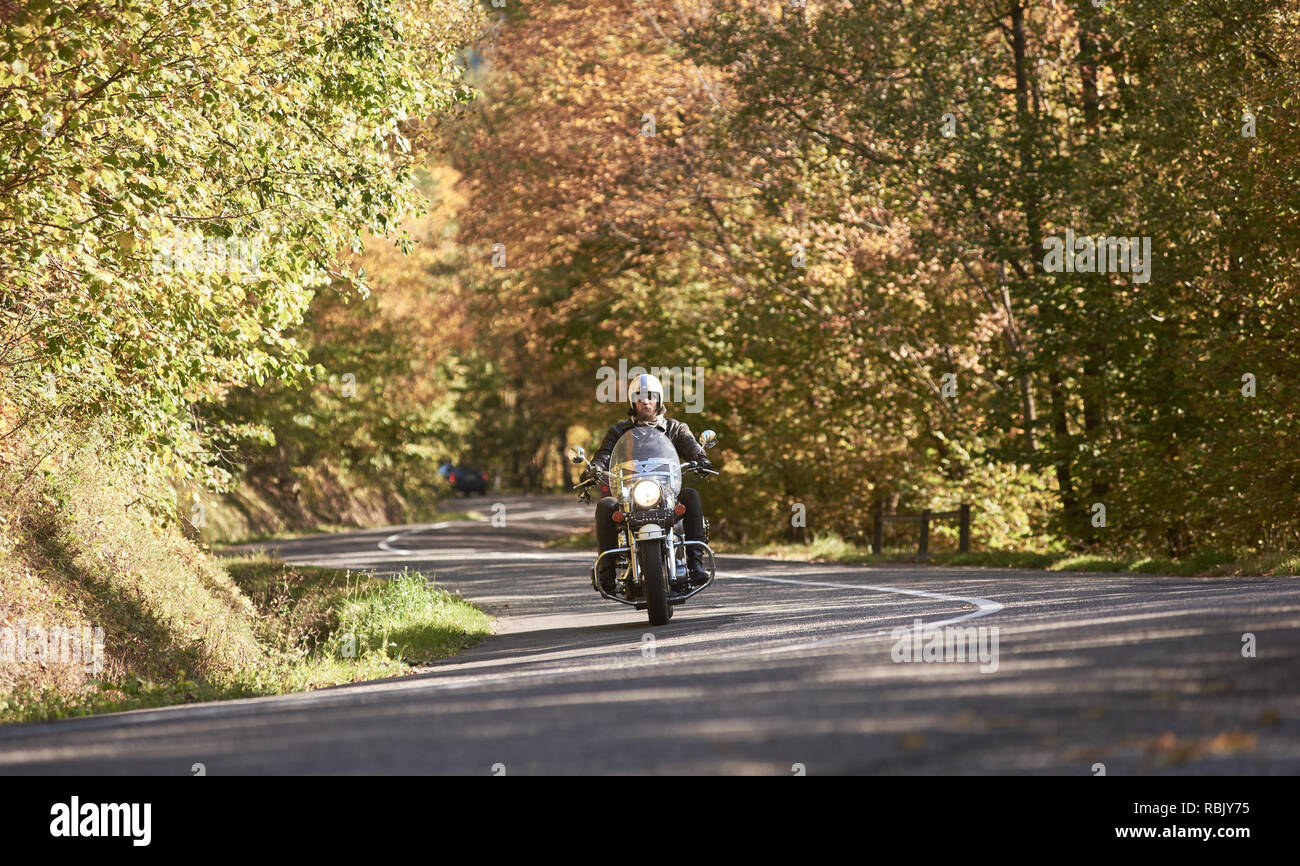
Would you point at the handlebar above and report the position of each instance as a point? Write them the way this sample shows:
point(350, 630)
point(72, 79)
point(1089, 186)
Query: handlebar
point(584, 487)
point(602, 477)
point(686, 467)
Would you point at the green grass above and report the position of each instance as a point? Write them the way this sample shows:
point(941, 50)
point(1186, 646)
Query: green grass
point(1088, 563)
point(998, 559)
point(79, 548)
point(317, 627)
point(1212, 563)
point(89, 539)
point(32, 705)
point(584, 540)
point(328, 627)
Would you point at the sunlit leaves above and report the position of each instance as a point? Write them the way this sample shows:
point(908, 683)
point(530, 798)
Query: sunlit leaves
point(127, 127)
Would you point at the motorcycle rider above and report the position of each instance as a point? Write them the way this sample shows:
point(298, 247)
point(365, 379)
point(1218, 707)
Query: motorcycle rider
point(646, 409)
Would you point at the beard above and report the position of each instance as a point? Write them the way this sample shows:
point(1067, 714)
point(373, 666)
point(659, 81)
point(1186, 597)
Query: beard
point(647, 414)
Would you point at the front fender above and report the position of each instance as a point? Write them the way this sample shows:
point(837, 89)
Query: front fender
point(649, 532)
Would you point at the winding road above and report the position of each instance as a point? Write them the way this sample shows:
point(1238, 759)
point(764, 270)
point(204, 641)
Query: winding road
point(779, 668)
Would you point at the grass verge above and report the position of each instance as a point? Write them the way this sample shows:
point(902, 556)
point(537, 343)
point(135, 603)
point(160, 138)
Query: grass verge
point(584, 540)
point(316, 627)
point(1212, 563)
point(105, 604)
point(325, 627)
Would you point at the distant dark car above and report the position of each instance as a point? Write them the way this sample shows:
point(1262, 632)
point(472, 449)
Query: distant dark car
point(468, 480)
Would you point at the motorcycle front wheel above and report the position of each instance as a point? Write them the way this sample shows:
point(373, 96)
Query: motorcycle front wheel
point(656, 584)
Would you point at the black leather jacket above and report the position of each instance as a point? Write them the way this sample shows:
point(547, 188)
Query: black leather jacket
point(677, 432)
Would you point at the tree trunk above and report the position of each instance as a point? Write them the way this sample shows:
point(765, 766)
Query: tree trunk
point(1094, 414)
point(562, 448)
point(1029, 192)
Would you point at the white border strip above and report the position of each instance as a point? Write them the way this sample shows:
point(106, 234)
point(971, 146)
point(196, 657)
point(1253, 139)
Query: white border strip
point(983, 607)
point(384, 545)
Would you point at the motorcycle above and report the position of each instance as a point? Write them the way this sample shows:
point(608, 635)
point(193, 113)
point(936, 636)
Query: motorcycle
point(645, 475)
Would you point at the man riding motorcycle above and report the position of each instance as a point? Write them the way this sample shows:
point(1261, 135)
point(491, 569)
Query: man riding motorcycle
point(646, 409)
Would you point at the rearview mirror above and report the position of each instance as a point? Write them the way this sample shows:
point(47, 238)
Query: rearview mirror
point(708, 439)
point(579, 454)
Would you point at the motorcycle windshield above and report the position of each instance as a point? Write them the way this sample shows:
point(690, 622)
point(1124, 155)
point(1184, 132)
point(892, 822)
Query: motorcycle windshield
point(644, 452)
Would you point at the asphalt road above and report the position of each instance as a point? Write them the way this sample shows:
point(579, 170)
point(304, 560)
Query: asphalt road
point(779, 668)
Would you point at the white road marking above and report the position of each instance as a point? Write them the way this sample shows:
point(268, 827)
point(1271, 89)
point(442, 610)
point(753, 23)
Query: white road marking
point(546, 514)
point(384, 545)
point(983, 606)
point(453, 680)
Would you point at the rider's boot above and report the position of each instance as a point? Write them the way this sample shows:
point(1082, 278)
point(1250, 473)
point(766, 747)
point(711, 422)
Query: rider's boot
point(605, 576)
point(695, 572)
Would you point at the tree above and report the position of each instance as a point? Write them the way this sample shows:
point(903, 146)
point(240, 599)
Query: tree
point(177, 179)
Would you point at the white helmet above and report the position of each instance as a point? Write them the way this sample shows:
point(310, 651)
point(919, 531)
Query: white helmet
point(645, 387)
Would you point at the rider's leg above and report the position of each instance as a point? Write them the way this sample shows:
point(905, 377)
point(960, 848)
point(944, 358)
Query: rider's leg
point(607, 538)
point(693, 524)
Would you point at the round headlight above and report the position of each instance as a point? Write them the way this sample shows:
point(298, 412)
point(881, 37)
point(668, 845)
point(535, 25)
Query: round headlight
point(646, 493)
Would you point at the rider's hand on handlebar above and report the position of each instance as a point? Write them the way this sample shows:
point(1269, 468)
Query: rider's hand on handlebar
point(701, 467)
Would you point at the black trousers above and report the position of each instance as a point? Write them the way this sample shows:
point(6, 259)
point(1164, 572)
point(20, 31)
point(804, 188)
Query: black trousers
point(692, 521)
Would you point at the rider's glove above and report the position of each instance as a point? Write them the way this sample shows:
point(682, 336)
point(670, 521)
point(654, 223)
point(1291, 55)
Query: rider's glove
point(703, 462)
point(590, 473)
